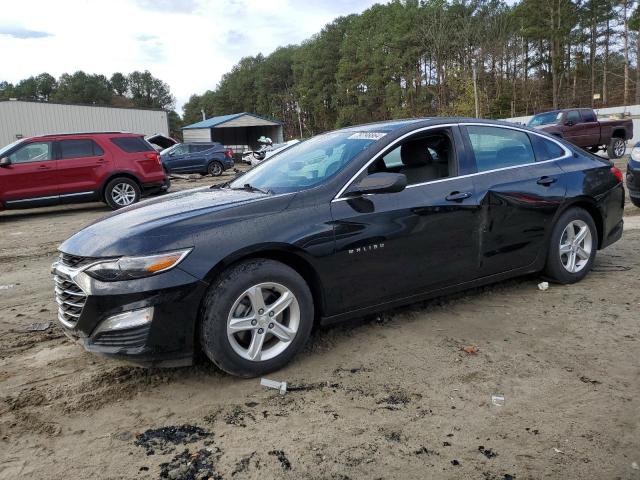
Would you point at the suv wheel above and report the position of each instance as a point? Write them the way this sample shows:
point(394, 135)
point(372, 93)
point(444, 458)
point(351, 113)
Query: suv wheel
point(121, 192)
point(574, 242)
point(617, 147)
point(256, 318)
point(215, 169)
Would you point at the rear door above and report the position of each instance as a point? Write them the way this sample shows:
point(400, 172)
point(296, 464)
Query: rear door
point(520, 188)
point(198, 157)
point(31, 178)
point(82, 164)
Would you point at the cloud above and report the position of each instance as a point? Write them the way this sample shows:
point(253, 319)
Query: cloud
point(170, 6)
point(22, 33)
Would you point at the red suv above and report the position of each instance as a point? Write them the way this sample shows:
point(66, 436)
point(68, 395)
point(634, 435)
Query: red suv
point(113, 167)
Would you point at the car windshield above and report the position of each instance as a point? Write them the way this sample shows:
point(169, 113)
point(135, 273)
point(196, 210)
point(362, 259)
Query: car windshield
point(544, 119)
point(307, 164)
point(6, 148)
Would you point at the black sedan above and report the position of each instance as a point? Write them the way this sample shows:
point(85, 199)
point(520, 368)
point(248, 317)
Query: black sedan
point(633, 175)
point(346, 223)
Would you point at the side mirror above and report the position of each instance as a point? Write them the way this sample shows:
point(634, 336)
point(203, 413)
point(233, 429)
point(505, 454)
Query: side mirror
point(380, 183)
point(569, 123)
point(5, 162)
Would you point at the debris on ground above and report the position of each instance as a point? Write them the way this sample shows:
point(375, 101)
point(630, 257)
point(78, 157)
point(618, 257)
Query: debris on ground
point(305, 387)
point(497, 400)
point(190, 466)
point(281, 386)
point(163, 440)
point(584, 379)
point(123, 436)
point(425, 450)
point(557, 450)
point(470, 349)
point(635, 465)
point(487, 452)
point(455, 463)
point(7, 287)
point(38, 327)
point(282, 458)
point(237, 417)
point(542, 286)
point(243, 465)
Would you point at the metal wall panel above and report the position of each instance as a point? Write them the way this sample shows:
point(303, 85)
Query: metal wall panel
point(197, 135)
point(28, 119)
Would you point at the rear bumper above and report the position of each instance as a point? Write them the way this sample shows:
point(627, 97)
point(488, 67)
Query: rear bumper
point(633, 178)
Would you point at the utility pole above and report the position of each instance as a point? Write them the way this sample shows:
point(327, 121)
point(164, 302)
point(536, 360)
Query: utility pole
point(299, 119)
point(475, 90)
point(204, 117)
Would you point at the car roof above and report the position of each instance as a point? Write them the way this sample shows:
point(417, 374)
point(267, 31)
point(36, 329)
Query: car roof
point(111, 134)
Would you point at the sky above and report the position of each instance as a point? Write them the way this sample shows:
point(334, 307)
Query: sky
point(189, 44)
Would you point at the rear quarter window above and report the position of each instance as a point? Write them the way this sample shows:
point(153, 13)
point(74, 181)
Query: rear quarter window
point(545, 149)
point(132, 144)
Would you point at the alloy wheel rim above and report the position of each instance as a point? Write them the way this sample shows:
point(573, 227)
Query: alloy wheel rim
point(215, 169)
point(123, 194)
point(263, 321)
point(576, 243)
point(619, 148)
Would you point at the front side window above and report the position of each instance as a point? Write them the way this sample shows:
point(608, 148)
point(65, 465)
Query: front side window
point(307, 164)
point(33, 152)
point(79, 149)
point(423, 158)
point(547, 118)
point(495, 147)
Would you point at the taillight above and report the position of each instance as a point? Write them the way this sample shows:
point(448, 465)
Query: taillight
point(617, 173)
point(153, 156)
point(228, 153)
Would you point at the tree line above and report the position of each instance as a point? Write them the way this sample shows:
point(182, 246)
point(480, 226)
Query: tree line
point(412, 58)
point(137, 89)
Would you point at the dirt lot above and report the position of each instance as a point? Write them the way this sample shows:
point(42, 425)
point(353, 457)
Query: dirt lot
point(391, 396)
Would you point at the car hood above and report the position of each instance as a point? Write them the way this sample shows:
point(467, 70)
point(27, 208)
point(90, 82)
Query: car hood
point(168, 222)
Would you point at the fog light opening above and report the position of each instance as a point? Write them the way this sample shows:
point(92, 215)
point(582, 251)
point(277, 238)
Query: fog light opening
point(126, 320)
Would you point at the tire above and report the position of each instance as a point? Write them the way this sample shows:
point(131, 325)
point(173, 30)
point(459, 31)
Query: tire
point(558, 266)
point(616, 148)
point(215, 168)
point(229, 299)
point(635, 201)
point(121, 192)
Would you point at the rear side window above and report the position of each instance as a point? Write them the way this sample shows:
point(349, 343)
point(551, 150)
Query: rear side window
point(496, 147)
point(545, 149)
point(574, 117)
point(79, 148)
point(132, 144)
point(588, 116)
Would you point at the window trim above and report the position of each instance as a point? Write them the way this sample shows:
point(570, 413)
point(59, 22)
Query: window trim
point(567, 154)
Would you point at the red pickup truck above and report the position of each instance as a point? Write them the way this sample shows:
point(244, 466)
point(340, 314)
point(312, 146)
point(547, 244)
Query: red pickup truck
point(581, 127)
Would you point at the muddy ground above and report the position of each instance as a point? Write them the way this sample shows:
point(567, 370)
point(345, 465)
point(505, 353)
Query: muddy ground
point(389, 396)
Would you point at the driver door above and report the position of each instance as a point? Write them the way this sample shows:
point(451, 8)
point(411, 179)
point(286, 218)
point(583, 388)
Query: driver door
point(31, 179)
point(396, 245)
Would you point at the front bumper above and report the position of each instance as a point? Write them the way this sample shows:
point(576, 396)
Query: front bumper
point(167, 340)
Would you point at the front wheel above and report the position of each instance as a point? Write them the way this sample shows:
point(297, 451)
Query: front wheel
point(617, 147)
point(215, 169)
point(121, 192)
point(574, 242)
point(256, 318)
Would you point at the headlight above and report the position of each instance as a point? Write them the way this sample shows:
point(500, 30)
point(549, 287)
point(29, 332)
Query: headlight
point(129, 268)
point(635, 153)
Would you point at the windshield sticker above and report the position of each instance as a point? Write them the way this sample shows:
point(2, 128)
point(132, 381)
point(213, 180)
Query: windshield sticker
point(367, 136)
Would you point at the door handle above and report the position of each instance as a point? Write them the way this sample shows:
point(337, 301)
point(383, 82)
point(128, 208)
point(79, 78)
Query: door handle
point(457, 196)
point(546, 181)
point(44, 167)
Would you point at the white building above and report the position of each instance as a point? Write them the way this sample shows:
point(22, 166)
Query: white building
point(20, 119)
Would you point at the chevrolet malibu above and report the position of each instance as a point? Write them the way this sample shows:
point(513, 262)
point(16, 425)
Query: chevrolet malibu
point(344, 224)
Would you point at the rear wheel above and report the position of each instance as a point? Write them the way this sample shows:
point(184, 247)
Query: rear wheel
point(256, 318)
point(215, 169)
point(574, 242)
point(121, 192)
point(617, 147)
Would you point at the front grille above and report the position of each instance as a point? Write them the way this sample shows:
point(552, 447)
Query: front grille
point(70, 299)
point(129, 338)
point(74, 261)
